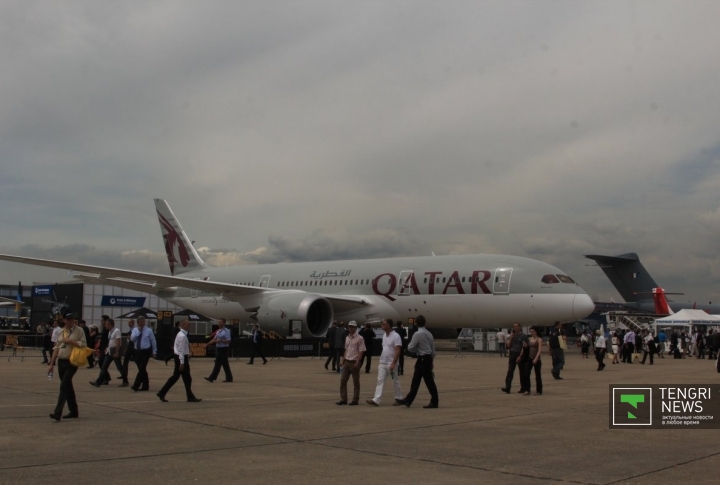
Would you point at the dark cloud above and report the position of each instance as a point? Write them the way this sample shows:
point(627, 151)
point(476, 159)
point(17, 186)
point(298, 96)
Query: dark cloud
point(546, 131)
point(324, 246)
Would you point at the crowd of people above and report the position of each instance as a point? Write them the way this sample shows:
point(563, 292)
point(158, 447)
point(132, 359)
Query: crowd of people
point(626, 343)
point(349, 351)
point(61, 337)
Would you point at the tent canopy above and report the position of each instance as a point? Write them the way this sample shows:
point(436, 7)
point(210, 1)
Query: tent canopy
point(688, 317)
point(140, 312)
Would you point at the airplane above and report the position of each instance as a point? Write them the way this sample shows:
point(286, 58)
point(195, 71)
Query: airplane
point(17, 302)
point(489, 291)
point(7, 302)
point(631, 280)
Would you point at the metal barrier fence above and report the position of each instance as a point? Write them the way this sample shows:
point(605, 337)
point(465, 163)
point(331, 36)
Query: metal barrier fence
point(22, 345)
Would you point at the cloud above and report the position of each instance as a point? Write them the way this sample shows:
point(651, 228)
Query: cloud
point(309, 131)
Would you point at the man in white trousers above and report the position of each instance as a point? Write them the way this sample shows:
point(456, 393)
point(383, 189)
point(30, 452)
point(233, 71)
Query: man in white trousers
point(391, 350)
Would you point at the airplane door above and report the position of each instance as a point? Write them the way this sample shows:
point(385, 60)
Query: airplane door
point(264, 281)
point(501, 284)
point(404, 284)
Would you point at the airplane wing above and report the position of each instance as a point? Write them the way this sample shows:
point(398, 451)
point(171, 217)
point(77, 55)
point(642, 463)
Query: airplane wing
point(7, 301)
point(153, 282)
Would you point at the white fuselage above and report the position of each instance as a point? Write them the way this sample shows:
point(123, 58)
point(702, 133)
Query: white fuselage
point(450, 291)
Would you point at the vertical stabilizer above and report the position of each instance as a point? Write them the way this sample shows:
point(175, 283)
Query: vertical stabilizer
point(181, 254)
point(627, 275)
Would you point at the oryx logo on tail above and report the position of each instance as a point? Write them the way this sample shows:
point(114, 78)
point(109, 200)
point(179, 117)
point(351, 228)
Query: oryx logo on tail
point(172, 240)
point(181, 254)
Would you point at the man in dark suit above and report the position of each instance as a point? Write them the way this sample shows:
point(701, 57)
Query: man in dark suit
point(145, 348)
point(400, 330)
point(340, 335)
point(257, 338)
point(330, 337)
point(91, 361)
point(129, 354)
point(368, 335)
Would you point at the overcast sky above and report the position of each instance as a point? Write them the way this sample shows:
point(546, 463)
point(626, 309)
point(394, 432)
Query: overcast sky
point(291, 131)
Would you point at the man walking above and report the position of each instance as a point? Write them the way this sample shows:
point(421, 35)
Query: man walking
point(354, 349)
point(90, 359)
point(650, 348)
point(181, 355)
point(257, 338)
point(112, 354)
point(340, 336)
point(600, 350)
point(391, 350)
point(502, 348)
point(400, 330)
point(330, 338)
point(128, 355)
point(556, 350)
point(661, 344)
point(518, 345)
point(368, 336)
point(629, 346)
point(145, 347)
point(423, 345)
point(222, 347)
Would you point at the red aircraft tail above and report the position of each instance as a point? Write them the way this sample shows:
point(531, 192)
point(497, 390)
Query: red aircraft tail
point(661, 304)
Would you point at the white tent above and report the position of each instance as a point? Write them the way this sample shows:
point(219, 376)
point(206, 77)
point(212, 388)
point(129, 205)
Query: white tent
point(688, 317)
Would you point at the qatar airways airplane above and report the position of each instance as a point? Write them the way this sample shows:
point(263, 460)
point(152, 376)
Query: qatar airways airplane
point(482, 290)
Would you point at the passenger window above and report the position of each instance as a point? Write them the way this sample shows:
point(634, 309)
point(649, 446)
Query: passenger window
point(549, 279)
point(565, 279)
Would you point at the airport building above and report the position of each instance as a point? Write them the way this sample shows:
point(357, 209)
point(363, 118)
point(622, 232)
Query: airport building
point(89, 301)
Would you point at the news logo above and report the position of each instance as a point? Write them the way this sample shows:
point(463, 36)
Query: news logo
point(632, 406)
point(666, 406)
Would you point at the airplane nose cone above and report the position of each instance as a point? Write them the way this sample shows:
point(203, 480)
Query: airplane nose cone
point(582, 306)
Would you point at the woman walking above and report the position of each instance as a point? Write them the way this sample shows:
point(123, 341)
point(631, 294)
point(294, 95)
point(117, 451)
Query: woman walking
point(71, 336)
point(533, 361)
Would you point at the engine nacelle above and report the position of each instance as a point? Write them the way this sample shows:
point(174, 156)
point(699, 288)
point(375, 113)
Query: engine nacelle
point(281, 311)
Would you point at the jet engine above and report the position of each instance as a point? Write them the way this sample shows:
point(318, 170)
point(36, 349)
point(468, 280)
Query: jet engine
point(279, 312)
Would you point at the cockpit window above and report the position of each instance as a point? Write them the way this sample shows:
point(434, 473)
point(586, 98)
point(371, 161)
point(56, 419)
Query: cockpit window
point(565, 278)
point(549, 279)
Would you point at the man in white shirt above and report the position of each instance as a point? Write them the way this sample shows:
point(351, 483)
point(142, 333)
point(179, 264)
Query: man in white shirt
point(391, 350)
point(112, 353)
point(56, 331)
point(600, 350)
point(650, 347)
point(501, 337)
point(181, 351)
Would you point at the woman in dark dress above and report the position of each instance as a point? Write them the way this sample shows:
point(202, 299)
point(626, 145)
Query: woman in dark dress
point(535, 344)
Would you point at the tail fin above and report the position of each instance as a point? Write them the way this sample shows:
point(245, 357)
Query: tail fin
point(181, 254)
point(18, 298)
point(626, 273)
point(661, 304)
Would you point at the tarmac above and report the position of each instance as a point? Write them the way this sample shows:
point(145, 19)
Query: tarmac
point(277, 424)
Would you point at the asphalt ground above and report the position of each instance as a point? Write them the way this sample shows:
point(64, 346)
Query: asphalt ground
point(277, 424)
